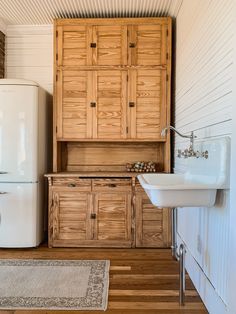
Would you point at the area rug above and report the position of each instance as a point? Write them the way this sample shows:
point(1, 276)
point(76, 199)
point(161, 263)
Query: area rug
point(54, 284)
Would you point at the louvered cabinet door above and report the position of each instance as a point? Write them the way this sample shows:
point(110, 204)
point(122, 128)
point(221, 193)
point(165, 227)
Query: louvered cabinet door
point(147, 45)
point(113, 223)
point(152, 223)
point(70, 218)
point(111, 45)
point(73, 45)
point(73, 108)
point(147, 103)
point(109, 115)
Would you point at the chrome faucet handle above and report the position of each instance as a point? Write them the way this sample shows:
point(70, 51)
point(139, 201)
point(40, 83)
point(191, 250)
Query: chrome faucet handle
point(186, 153)
point(179, 153)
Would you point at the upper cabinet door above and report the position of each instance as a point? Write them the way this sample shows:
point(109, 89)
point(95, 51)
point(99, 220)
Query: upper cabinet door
point(147, 44)
point(147, 103)
point(109, 116)
point(111, 45)
point(74, 109)
point(91, 45)
point(73, 45)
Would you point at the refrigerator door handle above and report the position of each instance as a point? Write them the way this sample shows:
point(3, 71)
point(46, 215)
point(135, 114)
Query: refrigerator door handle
point(3, 172)
point(3, 192)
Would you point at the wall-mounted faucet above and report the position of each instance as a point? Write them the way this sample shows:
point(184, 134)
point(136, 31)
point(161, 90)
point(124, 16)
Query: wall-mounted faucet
point(189, 152)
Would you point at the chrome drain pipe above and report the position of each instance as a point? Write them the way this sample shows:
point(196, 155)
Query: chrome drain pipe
point(181, 274)
point(179, 256)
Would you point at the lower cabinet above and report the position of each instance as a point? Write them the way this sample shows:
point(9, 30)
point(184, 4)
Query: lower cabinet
point(70, 222)
point(152, 223)
point(98, 217)
point(104, 213)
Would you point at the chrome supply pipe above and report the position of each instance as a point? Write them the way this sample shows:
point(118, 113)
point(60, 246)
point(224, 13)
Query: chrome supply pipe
point(174, 232)
point(181, 274)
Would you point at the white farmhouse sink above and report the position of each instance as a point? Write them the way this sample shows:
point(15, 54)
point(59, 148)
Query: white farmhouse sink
point(197, 187)
point(174, 190)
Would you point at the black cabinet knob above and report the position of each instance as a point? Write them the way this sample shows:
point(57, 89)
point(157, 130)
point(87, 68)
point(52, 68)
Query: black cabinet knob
point(93, 216)
point(112, 185)
point(72, 185)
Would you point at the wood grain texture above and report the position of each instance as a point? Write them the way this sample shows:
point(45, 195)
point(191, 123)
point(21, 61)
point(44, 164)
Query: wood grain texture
point(152, 223)
point(149, 41)
point(113, 21)
point(99, 218)
point(104, 212)
point(72, 45)
point(71, 216)
point(110, 112)
point(111, 85)
point(113, 212)
point(74, 95)
point(111, 156)
point(2, 55)
point(148, 115)
point(133, 288)
point(111, 43)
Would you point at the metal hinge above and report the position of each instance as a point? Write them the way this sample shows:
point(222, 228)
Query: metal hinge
point(57, 56)
point(127, 129)
point(56, 33)
point(167, 56)
point(167, 77)
point(56, 77)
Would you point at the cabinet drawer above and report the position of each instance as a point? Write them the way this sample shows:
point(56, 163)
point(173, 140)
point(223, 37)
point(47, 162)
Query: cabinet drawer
point(82, 184)
point(111, 184)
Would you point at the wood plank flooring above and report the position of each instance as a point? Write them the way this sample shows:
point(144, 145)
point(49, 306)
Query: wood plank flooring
point(142, 281)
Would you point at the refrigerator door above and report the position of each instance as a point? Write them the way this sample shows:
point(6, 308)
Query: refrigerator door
point(20, 215)
point(18, 133)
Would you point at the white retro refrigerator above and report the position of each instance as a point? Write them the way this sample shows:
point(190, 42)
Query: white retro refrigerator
point(22, 163)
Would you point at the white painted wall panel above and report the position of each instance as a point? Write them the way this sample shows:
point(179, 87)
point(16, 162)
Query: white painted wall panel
point(29, 54)
point(204, 63)
point(44, 11)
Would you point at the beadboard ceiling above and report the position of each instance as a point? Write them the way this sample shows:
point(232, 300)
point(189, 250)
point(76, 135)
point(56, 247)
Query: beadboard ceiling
point(34, 12)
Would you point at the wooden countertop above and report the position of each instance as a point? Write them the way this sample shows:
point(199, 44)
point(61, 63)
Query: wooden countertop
point(95, 174)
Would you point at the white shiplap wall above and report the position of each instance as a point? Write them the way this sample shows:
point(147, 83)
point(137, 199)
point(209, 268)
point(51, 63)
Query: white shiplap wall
point(23, 12)
point(203, 103)
point(29, 54)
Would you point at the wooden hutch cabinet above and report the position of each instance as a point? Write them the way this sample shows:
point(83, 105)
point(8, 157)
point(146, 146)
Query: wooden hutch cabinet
point(111, 100)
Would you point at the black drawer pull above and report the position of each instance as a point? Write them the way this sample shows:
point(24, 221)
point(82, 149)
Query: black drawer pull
point(112, 185)
point(132, 45)
point(72, 185)
point(93, 45)
point(131, 104)
point(93, 216)
point(92, 104)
